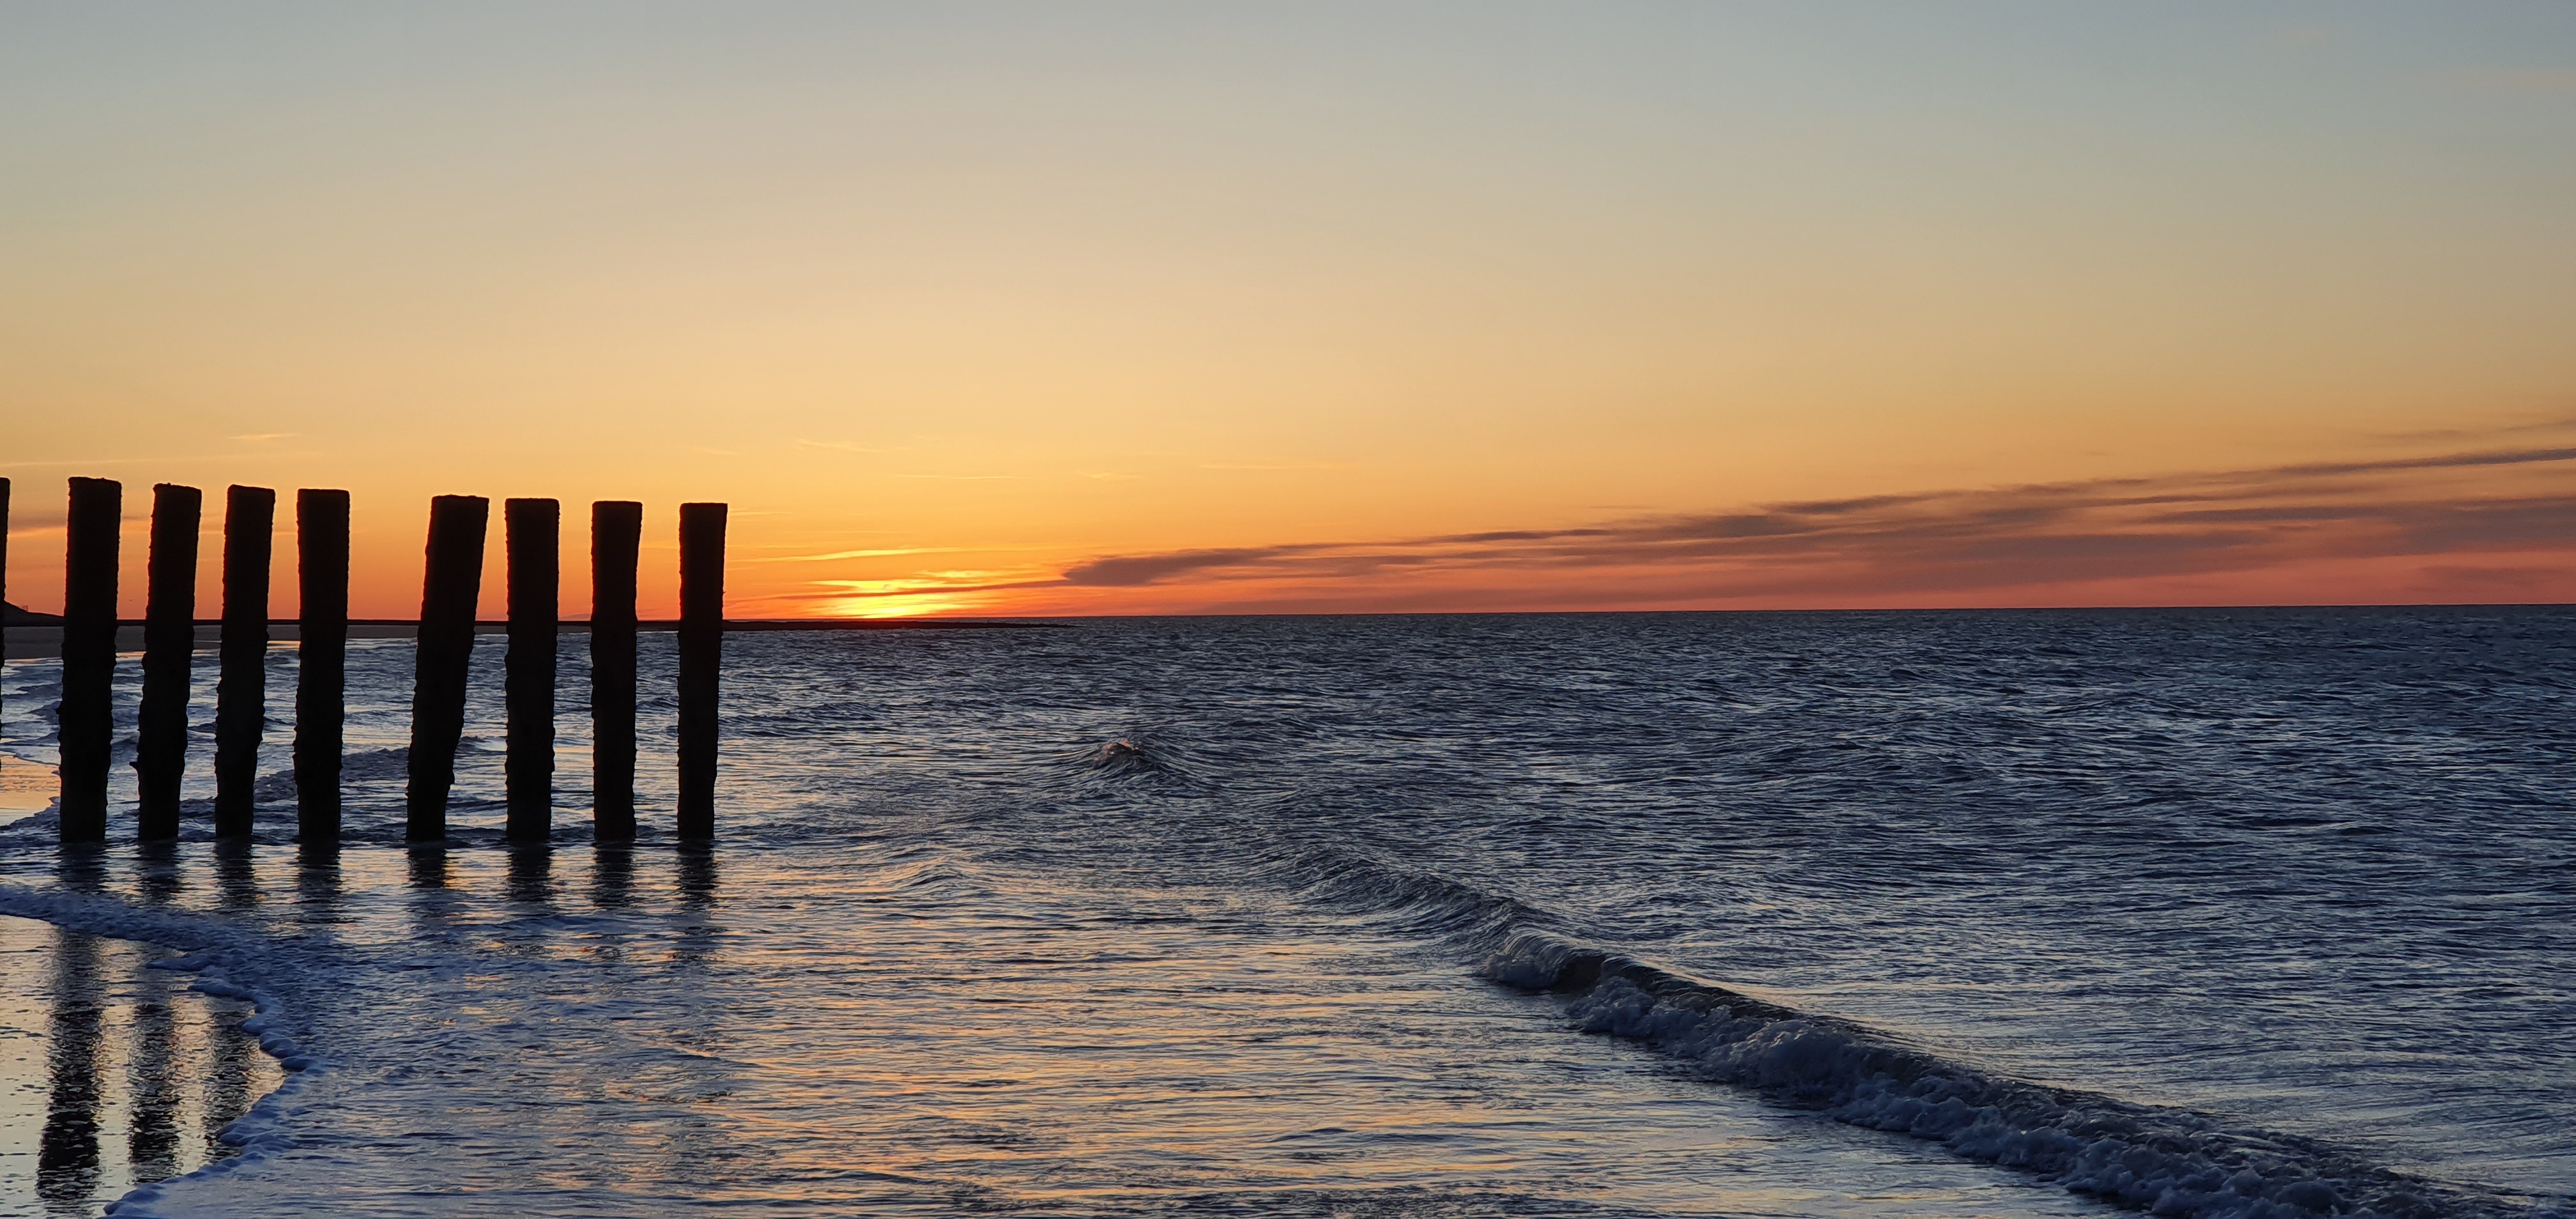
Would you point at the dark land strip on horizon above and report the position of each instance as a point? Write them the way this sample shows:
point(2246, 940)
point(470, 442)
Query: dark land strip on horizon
point(44, 640)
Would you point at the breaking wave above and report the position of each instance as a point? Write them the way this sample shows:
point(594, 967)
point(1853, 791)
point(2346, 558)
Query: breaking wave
point(2165, 1161)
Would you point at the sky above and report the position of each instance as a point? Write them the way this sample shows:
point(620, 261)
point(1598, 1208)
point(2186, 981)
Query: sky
point(1000, 309)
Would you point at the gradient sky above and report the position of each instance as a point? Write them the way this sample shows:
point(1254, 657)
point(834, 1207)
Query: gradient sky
point(1107, 308)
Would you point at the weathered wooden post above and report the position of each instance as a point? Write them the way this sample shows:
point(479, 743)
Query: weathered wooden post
point(533, 532)
point(84, 722)
point(616, 536)
point(702, 555)
point(241, 689)
point(451, 583)
point(169, 640)
point(322, 660)
point(4, 572)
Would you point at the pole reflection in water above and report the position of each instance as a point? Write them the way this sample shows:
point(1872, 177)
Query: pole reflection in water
point(317, 883)
point(236, 883)
point(531, 875)
point(696, 935)
point(428, 867)
point(239, 1075)
point(432, 899)
point(67, 1158)
point(126, 1077)
point(152, 1133)
point(156, 873)
point(697, 876)
point(83, 868)
point(612, 876)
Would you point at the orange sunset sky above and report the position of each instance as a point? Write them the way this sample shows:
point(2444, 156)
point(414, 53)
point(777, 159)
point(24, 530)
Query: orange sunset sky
point(989, 309)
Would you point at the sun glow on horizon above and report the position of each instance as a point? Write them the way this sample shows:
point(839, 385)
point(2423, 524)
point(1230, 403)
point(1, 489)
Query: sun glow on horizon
point(1024, 311)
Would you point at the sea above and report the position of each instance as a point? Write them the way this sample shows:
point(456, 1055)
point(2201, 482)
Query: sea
point(2242, 913)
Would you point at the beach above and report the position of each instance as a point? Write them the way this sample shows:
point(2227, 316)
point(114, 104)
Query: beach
point(1833, 914)
point(112, 1074)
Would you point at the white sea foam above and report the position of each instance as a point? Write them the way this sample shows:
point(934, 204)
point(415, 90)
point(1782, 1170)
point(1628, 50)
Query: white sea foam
point(258, 1133)
point(1939, 820)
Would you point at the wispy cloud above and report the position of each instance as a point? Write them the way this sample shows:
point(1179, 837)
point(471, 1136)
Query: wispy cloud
point(2560, 422)
point(260, 436)
point(834, 445)
point(858, 554)
point(2492, 517)
point(1934, 542)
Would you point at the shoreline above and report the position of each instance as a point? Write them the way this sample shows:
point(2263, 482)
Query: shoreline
point(113, 1075)
point(46, 642)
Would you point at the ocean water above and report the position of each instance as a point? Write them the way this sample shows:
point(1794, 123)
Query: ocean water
point(2216, 913)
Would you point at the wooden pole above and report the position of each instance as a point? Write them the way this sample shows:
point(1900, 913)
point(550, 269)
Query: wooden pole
point(533, 532)
point(85, 720)
point(702, 548)
point(616, 536)
point(451, 583)
point(169, 641)
point(4, 572)
point(241, 690)
point(322, 660)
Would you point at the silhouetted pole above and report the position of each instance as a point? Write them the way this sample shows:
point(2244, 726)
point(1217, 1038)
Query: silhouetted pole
point(241, 690)
point(84, 722)
point(322, 659)
point(533, 531)
point(451, 583)
point(616, 535)
point(702, 547)
point(169, 637)
point(4, 573)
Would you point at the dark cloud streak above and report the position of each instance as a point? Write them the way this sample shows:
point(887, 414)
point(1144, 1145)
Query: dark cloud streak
point(1943, 541)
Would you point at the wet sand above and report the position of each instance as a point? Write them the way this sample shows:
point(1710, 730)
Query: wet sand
point(26, 788)
point(46, 642)
point(112, 1075)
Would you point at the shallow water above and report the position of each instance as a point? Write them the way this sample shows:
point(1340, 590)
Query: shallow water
point(2029, 913)
point(112, 1074)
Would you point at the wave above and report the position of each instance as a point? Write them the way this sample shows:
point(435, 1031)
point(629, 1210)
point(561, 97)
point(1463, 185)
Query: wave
point(2166, 1161)
point(1138, 756)
point(2169, 1161)
point(1418, 902)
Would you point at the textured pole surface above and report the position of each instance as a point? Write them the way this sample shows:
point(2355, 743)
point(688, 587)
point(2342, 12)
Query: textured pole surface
point(84, 723)
point(616, 535)
point(322, 660)
point(169, 639)
point(241, 690)
point(702, 547)
point(4, 573)
point(533, 531)
point(450, 585)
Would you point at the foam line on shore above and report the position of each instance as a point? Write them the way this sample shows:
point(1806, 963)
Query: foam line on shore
point(2164, 1160)
point(261, 1131)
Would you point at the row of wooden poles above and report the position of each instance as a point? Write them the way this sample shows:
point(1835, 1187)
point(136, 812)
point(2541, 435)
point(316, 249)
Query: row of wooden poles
point(451, 586)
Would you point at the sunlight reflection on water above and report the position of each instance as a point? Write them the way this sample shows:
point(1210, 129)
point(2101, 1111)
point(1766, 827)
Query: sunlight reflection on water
point(111, 1075)
point(1152, 916)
